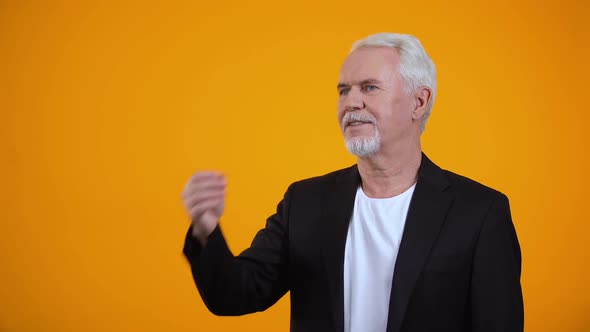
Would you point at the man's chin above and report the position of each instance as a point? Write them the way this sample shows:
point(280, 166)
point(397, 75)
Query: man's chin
point(348, 137)
point(362, 146)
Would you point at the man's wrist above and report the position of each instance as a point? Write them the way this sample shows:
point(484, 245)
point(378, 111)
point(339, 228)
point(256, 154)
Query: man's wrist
point(199, 234)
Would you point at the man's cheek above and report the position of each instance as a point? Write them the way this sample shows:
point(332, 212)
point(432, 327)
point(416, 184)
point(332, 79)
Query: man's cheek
point(340, 117)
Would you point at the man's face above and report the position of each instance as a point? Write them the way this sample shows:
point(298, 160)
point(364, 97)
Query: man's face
point(371, 90)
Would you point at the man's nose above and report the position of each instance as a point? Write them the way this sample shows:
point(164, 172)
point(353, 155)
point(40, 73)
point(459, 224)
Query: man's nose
point(353, 101)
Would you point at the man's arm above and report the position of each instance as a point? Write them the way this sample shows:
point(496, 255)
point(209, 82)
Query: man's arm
point(496, 295)
point(250, 282)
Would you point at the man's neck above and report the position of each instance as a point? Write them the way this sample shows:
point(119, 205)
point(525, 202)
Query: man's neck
point(390, 174)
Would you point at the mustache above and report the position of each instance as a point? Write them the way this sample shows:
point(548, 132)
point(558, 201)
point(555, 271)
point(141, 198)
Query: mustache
point(357, 116)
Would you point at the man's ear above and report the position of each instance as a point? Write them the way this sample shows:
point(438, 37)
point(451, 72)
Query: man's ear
point(422, 97)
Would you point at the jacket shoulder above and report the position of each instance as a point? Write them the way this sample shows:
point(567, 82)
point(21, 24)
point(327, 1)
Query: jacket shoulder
point(469, 188)
point(327, 180)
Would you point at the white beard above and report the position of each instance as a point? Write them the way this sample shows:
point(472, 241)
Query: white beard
point(364, 146)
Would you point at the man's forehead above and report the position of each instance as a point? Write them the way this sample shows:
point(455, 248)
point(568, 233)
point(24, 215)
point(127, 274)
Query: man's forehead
point(359, 82)
point(369, 63)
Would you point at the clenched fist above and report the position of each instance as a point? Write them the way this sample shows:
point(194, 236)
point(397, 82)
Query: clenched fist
point(204, 199)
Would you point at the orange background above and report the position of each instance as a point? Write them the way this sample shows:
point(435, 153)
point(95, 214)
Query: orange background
point(107, 109)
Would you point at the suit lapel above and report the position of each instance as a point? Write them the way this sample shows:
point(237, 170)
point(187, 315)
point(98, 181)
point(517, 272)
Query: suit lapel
point(426, 214)
point(339, 203)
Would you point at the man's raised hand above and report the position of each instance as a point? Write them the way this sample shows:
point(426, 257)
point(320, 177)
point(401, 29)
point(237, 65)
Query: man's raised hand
point(204, 200)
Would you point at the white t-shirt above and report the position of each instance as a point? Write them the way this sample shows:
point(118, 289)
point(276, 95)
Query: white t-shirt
point(372, 244)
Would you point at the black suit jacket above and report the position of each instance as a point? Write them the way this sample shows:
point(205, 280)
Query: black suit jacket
point(458, 266)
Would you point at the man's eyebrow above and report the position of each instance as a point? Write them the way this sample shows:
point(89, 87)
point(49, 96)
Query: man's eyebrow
point(363, 82)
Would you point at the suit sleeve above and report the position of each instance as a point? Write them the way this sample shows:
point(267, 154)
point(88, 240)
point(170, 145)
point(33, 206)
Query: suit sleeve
point(496, 294)
point(250, 282)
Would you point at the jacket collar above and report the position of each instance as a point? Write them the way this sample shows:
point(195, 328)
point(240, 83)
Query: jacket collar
point(426, 214)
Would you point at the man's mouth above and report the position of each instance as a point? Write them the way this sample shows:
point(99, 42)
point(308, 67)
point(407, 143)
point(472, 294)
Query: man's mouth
point(357, 123)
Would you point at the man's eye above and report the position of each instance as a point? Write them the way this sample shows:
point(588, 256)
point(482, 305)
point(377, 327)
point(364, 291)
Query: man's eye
point(343, 91)
point(370, 87)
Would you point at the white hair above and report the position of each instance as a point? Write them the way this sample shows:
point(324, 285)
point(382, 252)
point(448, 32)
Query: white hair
point(415, 66)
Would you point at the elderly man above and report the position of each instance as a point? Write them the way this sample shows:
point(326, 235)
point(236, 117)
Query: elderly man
point(393, 243)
